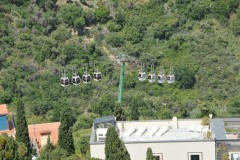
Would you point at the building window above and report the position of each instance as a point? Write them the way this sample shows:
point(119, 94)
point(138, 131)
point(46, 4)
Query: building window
point(235, 156)
point(157, 156)
point(194, 156)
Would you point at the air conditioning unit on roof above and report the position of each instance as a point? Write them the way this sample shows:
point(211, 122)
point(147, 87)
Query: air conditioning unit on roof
point(101, 134)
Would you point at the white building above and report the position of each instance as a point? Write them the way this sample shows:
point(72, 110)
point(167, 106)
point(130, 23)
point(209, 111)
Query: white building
point(168, 139)
point(171, 139)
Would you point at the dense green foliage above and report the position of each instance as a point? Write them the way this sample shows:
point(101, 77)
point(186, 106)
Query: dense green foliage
point(22, 126)
point(47, 149)
point(11, 149)
point(134, 113)
point(38, 39)
point(200, 39)
point(114, 147)
point(149, 154)
point(65, 140)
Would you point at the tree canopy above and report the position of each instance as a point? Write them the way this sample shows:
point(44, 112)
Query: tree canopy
point(65, 140)
point(114, 147)
point(22, 134)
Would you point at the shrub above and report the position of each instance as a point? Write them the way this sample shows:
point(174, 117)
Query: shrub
point(205, 121)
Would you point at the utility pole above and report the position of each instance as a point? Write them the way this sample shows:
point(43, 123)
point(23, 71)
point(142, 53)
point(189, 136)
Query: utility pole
point(120, 89)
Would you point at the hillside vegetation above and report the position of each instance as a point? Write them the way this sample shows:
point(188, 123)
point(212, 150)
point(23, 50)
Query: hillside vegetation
point(200, 39)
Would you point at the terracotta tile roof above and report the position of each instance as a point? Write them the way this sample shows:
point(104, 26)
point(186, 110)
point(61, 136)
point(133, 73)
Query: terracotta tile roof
point(37, 130)
point(3, 109)
point(11, 130)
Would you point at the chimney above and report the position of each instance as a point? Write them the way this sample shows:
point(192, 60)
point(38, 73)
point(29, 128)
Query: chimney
point(174, 123)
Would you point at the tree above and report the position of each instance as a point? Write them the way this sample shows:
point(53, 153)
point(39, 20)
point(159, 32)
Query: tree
point(234, 106)
point(222, 151)
point(47, 150)
point(19, 2)
point(102, 13)
point(65, 140)
point(21, 125)
point(73, 15)
point(106, 105)
point(113, 26)
point(119, 113)
point(11, 149)
point(225, 157)
point(132, 34)
point(115, 40)
point(185, 77)
point(79, 23)
point(114, 147)
point(149, 154)
point(134, 113)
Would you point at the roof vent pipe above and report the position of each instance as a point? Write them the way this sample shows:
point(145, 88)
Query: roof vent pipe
point(174, 123)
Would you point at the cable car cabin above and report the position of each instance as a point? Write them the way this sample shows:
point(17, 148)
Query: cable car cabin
point(86, 78)
point(170, 78)
point(161, 78)
point(64, 81)
point(76, 80)
point(97, 76)
point(142, 76)
point(152, 77)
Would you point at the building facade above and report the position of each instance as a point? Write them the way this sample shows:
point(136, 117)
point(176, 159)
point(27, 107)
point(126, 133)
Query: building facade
point(168, 139)
point(6, 126)
point(39, 133)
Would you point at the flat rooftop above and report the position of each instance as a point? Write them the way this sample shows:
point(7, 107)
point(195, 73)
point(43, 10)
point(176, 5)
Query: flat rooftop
point(169, 135)
point(162, 130)
point(155, 130)
point(3, 109)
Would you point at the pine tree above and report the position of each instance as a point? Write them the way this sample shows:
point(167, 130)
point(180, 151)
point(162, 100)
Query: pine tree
point(65, 140)
point(149, 154)
point(114, 147)
point(22, 126)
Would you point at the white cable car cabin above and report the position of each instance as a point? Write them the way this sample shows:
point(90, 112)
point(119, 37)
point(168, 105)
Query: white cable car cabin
point(142, 76)
point(152, 77)
point(76, 80)
point(97, 76)
point(64, 81)
point(161, 78)
point(86, 78)
point(170, 78)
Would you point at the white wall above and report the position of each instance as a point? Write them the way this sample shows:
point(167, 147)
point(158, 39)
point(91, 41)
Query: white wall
point(170, 150)
point(97, 151)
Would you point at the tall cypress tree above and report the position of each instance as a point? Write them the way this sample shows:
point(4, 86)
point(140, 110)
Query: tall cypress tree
point(45, 153)
point(149, 154)
point(65, 140)
point(22, 126)
point(114, 147)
